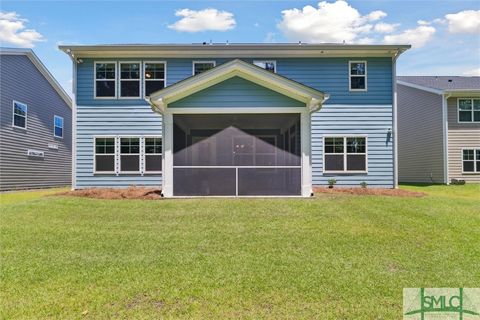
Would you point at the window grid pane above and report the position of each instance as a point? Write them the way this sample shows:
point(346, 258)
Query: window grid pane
point(129, 145)
point(154, 71)
point(465, 104)
point(105, 145)
point(200, 67)
point(356, 145)
point(153, 145)
point(468, 155)
point(130, 71)
point(105, 71)
point(334, 145)
point(357, 68)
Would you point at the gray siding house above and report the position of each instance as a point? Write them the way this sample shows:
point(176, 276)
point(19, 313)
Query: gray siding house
point(438, 129)
point(36, 117)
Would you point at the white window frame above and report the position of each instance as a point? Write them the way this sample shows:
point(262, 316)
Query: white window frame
point(474, 160)
point(140, 89)
point(155, 154)
point(145, 79)
point(472, 111)
point(266, 61)
point(95, 80)
point(95, 155)
point(345, 153)
point(139, 154)
point(25, 116)
point(357, 75)
point(54, 126)
point(202, 61)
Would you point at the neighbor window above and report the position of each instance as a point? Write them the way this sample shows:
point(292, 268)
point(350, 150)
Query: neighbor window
point(129, 79)
point(358, 75)
point(267, 65)
point(153, 154)
point(469, 110)
point(58, 126)
point(202, 66)
point(19, 115)
point(105, 155)
point(154, 78)
point(345, 154)
point(105, 79)
point(130, 155)
point(471, 160)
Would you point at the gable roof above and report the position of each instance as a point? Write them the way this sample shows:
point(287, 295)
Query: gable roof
point(41, 67)
point(442, 84)
point(238, 68)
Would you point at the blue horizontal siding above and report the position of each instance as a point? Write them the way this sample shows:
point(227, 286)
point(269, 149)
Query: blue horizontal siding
point(329, 75)
point(111, 120)
point(374, 121)
point(236, 92)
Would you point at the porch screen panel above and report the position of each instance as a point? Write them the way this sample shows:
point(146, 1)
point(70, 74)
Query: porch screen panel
point(204, 182)
point(269, 181)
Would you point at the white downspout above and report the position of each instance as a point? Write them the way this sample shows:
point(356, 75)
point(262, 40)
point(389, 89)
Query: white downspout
point(394, 116)
point(74, 126)
point(445, 137)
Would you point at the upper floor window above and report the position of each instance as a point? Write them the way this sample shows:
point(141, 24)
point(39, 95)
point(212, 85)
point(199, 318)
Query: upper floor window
point(153, 154)
point(471, 160)
point(345, 154)
point(202, 66)
point(129, 79)
point(105, 80)
point(357, 75)
point(19, 115)
point(58, 126)
point(104, 155)
point(268, 65)
point(154, 77)
point(469, 110)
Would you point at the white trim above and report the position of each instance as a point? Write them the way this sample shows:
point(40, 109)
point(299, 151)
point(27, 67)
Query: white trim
point(95, 172)
point(127, 154)
point(95, 80)
point(472, 112)
point(417, 86)
point(43, 70)
point(445, 137)
point(210, 110)
point(475, 171)
point(74, 125)
point(154, 154)
point(144, 79)
point(54, 126)
point(129, 80)
point(266, 61)
point(202, 61)
point(345, 154)
point(25, 116)
point(394, 131)
point(357, 75)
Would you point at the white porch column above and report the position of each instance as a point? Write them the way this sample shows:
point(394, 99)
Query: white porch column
point(306, 154)
point(167, 188)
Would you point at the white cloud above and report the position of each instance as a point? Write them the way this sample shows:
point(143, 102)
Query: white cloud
point(472, 72)
point(383, 27)
point(417, 37)
point(423, 22)
point(330, 22)
point(203, 20)
point(14, 31)
point(467, 21)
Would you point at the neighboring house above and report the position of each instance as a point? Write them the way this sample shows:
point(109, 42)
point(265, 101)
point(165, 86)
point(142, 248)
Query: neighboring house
point(438, 129)
point(35, 134)
point(234, 119)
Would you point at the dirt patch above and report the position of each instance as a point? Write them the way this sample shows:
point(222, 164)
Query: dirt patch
point(372, 191)
point(112, 193)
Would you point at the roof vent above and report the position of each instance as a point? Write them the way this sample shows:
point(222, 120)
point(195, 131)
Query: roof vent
point(450, 80)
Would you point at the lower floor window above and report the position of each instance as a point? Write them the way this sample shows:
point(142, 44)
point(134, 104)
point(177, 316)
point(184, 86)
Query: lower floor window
point(345, 154)
point(153, 154)
point(471, 160)
point(105, 155)
point(129, 155)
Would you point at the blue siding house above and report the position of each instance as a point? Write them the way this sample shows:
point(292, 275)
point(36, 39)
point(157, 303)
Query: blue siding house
point(234, 119)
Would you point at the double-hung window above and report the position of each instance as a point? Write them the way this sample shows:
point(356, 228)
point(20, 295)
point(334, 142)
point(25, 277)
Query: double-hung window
point(471, 160)
point(153, 154)
point(202, 66)
point(57, 126)
point(468, 110)
point(268, 65)
point(105, 79)
point(154, 77)
point(129, 155)
point(104, 155)
point(129, 79)
point(357, 75)
point(19, 115)
point(345, 154)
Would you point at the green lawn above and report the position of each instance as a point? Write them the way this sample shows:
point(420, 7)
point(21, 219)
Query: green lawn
point(331, 257)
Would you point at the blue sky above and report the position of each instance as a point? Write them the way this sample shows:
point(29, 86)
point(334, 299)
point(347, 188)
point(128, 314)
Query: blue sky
point(445, 34)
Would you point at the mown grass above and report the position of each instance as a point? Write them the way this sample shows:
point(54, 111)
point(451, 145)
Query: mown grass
point(331, 257)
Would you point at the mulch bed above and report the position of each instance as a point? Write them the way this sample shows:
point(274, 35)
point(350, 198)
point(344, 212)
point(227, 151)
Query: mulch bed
point(372, 191)
point(116, 193)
